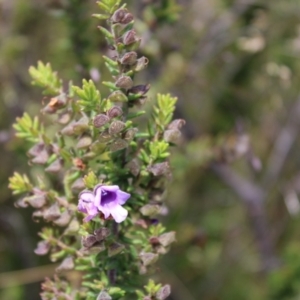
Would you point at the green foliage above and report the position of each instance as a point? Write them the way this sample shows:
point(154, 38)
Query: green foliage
point(44, 77)
point(28, 128)
point(19, 184)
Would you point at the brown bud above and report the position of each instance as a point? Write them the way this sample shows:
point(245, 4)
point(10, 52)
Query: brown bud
point(42, 248)
point(141, 64)
point(140, 89)
point(164, 292)
point(66, 265)
point(64, 219)
point(55, 167)
point(118, 144)
point(130, 37)
point(130, 134)
point(88, 241)
point(148, 258)
point(114, 112)
point(167, 238)
point(124, 82)
point(117, 96)
point(52, 213)
point(176, 124)
point(100, 120)
point(129, 58)
point(36, 201)
point(115, 248)
point(150, 210)
point(127, 19)
point(101, 233)
point(119, 15)
point(84, 142)
point(159, 169)
point(116, 127)
point(41, 158)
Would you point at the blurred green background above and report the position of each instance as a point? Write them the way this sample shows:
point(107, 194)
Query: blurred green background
point(234, 65)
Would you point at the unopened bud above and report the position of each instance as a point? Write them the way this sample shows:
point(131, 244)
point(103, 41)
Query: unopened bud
point(117, 96)
point(141, 64)
point(114, 112)
point(129, 58)
point(140, 89)
point(130, 37)
point(100, 120)
point(116, 127)
point(119, 15)
point(124, 82)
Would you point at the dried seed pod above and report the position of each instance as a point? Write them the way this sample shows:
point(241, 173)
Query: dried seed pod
point(55, 103)
point(78, 163)
point(119, 15)
point(172, 135)
point(118, 144)
point(114, 112)
point(100, 120)
point(140, 89)
point(167, 238)
point(55, 167)
point(129, 58)
point(124, 82)
point(130, 37)
point(68, 130)
point(134, 167)
point(104, 136)
point(117, 96)
point(116, 127)
point(81, 125)
point(88, 241)
point(41, 158)
point(36, 149)
point(64, 118)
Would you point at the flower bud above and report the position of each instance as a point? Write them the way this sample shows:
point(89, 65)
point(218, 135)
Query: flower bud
point(100, 120)
point(88, 241)
point(36, 149)
point(119, 15)
point(129, 58)
point(140, 89)
point(105, 136)
point(117, 96)
point(141, 64)
point(130, 37)
point(64, 118)
point(114, 112)
point(172, 135)
point(101, 233)
point(124, 82)
point(116, 127)
point(55, 167)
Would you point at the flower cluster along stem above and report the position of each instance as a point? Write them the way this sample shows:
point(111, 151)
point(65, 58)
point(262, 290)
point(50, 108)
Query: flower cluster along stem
point(111, 170)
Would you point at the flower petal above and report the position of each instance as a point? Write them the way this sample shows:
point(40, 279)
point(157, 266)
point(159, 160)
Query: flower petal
point(86, 196)
point(122, 197)
point(119, 213)
point(98, 195)
point(110, 188)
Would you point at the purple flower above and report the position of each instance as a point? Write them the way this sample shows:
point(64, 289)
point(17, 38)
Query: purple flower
point(107, 199)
